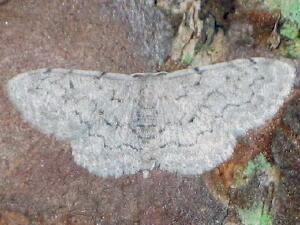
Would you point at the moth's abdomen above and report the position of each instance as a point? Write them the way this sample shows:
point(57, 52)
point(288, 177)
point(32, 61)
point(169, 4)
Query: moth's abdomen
point(144, 125)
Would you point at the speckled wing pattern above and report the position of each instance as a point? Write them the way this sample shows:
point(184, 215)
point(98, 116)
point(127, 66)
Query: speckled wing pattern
point(186, 121)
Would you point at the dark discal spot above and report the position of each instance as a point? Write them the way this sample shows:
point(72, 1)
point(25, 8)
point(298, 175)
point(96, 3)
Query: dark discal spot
point(192, 120)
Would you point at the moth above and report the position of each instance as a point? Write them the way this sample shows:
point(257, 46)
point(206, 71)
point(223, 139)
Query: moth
point(186, 121)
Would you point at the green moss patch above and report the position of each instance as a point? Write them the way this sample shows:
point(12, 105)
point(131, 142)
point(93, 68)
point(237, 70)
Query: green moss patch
point(258, 165)
point(256, 215)
point(187, 59)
